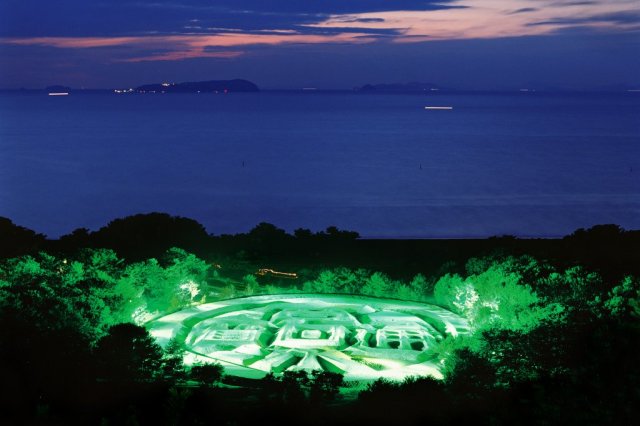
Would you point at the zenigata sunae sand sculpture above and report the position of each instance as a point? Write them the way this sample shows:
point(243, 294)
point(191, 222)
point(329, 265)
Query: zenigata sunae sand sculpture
point(362, 338)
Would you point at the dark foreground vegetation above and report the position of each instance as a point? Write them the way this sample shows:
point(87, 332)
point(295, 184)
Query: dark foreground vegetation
point(556, 325)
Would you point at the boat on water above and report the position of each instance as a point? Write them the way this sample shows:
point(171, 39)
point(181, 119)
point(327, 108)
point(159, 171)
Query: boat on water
point(58, 93)
point(438, 107)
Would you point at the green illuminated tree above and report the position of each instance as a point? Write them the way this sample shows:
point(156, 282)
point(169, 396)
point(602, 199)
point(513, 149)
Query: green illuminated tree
point(153, 288)
point(452, 292)
point(338, 280)
point(420, 286)
point(53, 292)
point(405, 292)
point(251, 285)
point(326, 282)
point(173, 368)
point(144, 286)
point(378, 285)
point(575, 287)
point(227, 292)
point(623, 301)
point(496, 297)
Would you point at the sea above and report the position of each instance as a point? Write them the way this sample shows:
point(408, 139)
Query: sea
point(528, 164)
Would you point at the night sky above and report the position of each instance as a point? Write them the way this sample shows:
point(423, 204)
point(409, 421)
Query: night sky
point(469, 44)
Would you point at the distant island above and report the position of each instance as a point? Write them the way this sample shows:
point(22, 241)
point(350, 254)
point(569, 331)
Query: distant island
point(399, 87)
point(241, 85)
point(220, 86)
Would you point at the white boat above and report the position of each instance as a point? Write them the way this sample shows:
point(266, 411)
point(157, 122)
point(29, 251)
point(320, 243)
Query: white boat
point(58, 93)
point(438, 107)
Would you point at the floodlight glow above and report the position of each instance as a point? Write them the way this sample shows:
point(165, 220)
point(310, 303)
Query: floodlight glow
point(362, 338)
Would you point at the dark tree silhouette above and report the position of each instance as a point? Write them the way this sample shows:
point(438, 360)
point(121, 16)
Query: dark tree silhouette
point(173, 368)
point(79, 238)
point(128, 354)
point(206, 375)
point(16, 240)
point(294, 385)
point(267, 239)
point(325, 386)
point(145, 236)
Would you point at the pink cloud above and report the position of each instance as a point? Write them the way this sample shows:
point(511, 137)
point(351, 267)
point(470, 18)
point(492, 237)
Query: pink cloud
point(71, 42)
point(483, 19)
point(478, 19)
point(181, 55)
point(187, 46)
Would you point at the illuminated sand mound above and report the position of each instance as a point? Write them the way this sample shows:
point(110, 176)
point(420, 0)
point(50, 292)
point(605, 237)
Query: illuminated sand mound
point(361, 337)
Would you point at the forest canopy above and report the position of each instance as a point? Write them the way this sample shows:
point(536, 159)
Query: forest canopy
point(73, 327)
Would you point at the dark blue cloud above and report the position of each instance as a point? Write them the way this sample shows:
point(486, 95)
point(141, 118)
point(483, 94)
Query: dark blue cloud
point(303, 6)
point(523, 10)
point(564, 3)
point(364, 20)
point(618, 18)
point(29, 18)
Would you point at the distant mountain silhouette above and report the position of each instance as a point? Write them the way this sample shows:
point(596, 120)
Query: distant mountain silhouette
point(237, 85)
point(398, 87)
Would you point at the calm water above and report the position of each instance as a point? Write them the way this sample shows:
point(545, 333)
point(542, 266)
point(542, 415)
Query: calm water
point(528, 164)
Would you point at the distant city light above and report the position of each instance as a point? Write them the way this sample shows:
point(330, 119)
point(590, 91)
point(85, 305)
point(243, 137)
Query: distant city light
point(266, 271)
